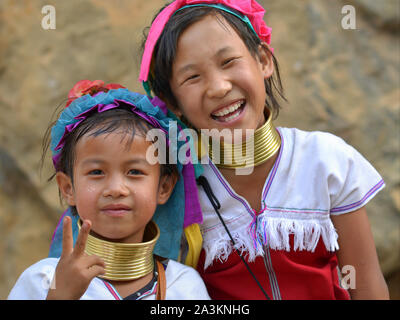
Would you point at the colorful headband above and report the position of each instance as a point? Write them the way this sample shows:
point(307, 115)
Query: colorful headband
point(183, 207)
point(252, 11)
point(89, 96)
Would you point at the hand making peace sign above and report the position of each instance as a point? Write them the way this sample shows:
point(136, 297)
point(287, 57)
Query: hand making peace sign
point(76, 269)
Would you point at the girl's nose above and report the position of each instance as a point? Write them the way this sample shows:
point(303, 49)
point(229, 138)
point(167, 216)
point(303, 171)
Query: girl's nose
point(116, 188)
point(218, 86)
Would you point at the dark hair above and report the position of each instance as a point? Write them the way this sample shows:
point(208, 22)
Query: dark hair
point(165, 52)
point(121, 119)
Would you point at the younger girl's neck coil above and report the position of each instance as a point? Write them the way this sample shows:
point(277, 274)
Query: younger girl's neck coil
point(125, 261)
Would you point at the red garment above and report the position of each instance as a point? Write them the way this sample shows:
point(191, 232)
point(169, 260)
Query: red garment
point(302, 275)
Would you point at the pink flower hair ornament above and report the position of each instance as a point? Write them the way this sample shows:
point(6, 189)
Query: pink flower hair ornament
point(83, 87)
point(252, 11)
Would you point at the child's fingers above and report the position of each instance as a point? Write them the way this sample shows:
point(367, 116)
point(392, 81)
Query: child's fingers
point(94, 260)
point(95, 266)
point(80, 244)
point(67, 240)
point(95, 271)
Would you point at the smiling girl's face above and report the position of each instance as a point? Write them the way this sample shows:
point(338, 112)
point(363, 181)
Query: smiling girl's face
point(217, 82)
point(114, 185)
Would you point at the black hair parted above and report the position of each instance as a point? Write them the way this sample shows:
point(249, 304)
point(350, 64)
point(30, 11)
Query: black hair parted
point(165, 51)
point(121, 120)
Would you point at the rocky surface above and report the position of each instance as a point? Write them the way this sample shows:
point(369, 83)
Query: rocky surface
point(343, 81)
point(26, 221)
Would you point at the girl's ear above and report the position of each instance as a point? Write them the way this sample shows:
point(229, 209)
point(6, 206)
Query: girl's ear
point(165, 188)
point(266, 61)
point(65, 185)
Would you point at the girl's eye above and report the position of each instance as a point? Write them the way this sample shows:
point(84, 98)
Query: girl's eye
point(96, 172)
point(135, 172)
point(191, 78)
point(228, 61)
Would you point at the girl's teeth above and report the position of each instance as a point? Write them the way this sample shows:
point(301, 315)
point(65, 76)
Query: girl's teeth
point(232, 116)
point(228, 110)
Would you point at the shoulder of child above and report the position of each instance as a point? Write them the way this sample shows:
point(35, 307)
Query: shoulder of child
point(35, 281)
point(317, 147)
point(333, 165)
point(184, 282)
point(314, 140)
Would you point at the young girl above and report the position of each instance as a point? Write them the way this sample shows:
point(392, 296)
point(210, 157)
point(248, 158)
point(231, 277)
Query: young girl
point(100, 149)
point(281, 230)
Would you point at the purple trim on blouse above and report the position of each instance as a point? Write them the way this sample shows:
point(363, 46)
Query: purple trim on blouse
point(153, 290)
point(270, 179)
point(360, 202)
point(227, 188)
point(112, 291)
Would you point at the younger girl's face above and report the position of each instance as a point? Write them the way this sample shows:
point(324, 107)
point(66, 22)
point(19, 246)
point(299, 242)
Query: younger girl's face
point(114, 186)
point(217, 82)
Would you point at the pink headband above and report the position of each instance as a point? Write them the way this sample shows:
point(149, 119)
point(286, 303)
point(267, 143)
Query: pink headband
point(250, 8)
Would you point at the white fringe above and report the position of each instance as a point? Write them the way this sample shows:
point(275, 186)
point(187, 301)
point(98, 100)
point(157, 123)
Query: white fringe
point(307, 231)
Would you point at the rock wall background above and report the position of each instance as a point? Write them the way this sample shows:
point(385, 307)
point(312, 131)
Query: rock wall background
point(343, 81)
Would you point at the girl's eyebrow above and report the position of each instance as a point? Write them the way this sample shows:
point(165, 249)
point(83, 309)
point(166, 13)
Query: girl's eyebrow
point(139, 160)
point(191, 66)
point(223, 50)
point(92, 161)
point(186, 68)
